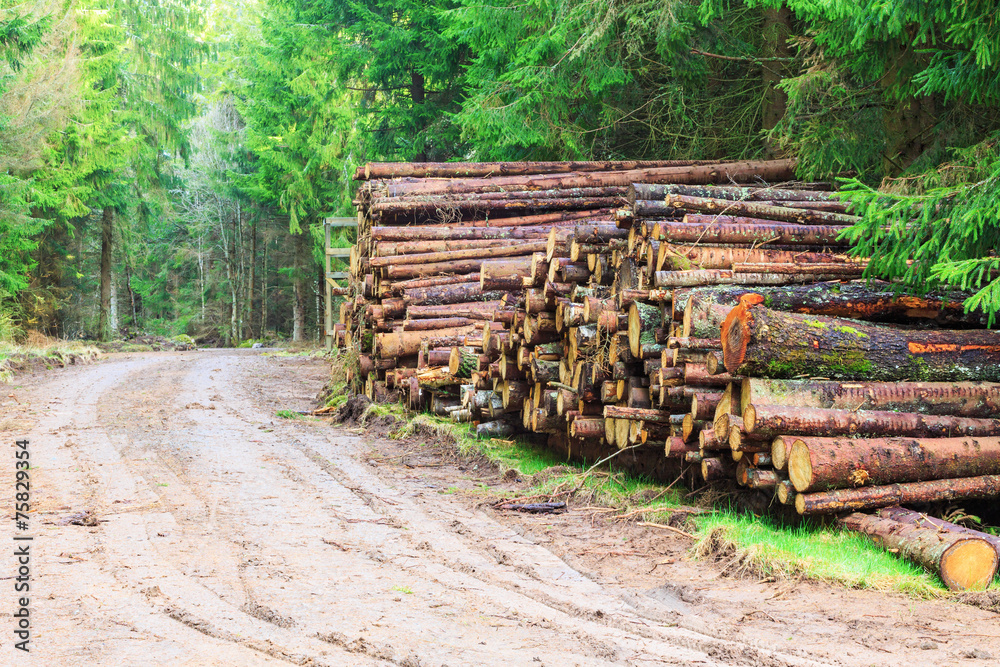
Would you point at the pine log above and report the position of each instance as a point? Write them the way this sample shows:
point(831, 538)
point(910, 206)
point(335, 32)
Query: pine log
point(436, 206)
point(818, 463)
point(432, 324)
point(772, 420)
point(387, 288)
point(639, 414)
point(841, 500)
point(509, 250)
point(398, 344)
point(813, 264)
point(781, 447)
point(785, 492)
point(854, 299)
point(699, 277)
point(587, 427)
point(758, 210)
point(642, 321)
point(448, 294)
point(394, 248)
point(504, 273)
point(463, 362)
point(713, 469)
point(966, 399)
point(962, 561)
point(698, 375)
point(502, 428)
point(759, 341)
point(770, 171)
point(466, 231)
point(908, 516)
point(639, 191)
point(685, 257)
point(697, 228)
point(386, 170)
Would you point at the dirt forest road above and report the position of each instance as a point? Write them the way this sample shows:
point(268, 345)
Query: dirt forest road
point(225, 536)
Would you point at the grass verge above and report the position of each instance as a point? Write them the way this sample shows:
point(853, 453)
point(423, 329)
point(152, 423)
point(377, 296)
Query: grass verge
point(40, 351)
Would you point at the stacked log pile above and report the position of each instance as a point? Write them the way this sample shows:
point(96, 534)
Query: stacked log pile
point(686, 314)
point(493, 293)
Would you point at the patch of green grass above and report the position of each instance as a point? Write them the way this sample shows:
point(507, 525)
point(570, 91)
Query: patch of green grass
point(288, 414)
point(761, 547)
point(403, 589)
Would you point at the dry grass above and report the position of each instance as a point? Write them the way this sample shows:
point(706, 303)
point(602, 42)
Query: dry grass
point(39, 348)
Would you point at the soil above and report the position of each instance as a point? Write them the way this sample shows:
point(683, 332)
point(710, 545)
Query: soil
point(177, 521)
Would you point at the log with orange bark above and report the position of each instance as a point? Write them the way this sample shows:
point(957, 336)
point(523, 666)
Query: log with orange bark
point(773, 170)
point(870, 497)
point(384, 170)
point(763, 342)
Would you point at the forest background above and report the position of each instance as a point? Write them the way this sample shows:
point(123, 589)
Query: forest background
point(165, 165)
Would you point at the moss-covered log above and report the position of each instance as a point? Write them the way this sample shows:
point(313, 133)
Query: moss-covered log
point(763, 342)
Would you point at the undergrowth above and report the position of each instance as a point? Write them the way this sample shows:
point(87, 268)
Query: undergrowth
point(37, 348)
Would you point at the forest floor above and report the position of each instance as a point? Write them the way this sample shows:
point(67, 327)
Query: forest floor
point(177, 520)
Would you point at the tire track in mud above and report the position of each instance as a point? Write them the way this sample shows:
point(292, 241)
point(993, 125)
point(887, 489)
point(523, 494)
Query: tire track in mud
point(276, 540)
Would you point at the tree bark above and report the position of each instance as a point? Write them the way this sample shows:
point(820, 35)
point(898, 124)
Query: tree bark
point(686, 257)
point(701, 277)
point(466, 231)
point(772, 420)
point(842, 500)
point(727, 229)
point(759, 341)
point(455, 255)
point(962, 561)
point(907, 516)
point(107, 246)
point(759, 210)
point(647, 191)
point(383, 170)
point(819, 463)
point(724, 172)
point(966, 399)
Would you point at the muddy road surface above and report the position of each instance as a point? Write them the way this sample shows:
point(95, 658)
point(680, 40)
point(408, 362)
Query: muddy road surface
point(177, 521)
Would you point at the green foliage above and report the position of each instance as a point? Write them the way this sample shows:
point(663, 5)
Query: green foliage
point(940, 227)
point(573, 79)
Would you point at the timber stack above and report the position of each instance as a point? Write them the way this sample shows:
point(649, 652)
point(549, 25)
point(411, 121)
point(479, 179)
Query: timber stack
point(478, 288)
point(688, 315)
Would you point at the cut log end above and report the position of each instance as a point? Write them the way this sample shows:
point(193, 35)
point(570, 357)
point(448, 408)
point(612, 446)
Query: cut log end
point(799, 466)
point(968, 565)
point(736, 331)
point(749, 418)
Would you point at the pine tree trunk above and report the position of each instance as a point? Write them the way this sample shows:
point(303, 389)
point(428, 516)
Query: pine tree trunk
point(299, 287)
point(107, 246)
